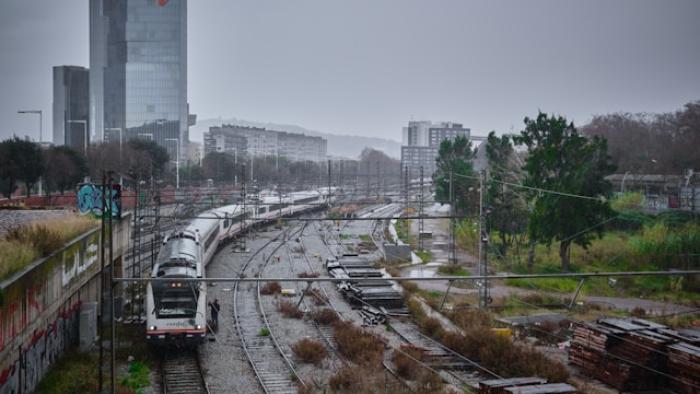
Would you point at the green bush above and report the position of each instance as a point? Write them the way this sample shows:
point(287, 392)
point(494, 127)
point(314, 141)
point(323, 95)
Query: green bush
point(138, 377)
point(627, 202)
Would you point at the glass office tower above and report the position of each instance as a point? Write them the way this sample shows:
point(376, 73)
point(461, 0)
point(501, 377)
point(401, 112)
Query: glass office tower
point(145, 69)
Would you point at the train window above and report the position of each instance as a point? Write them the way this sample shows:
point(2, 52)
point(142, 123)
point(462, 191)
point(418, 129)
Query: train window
point(211, 238)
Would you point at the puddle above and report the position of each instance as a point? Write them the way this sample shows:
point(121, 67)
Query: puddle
point(421, 271)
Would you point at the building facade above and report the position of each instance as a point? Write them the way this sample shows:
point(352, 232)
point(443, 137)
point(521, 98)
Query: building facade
point(71, 107)
point(258, 141)
point(138, 55)
point(421, 142)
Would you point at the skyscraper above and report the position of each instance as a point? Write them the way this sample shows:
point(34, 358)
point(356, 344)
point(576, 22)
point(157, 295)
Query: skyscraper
point(141, 47)
point(71, 111)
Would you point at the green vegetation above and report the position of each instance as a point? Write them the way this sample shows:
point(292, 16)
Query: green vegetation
point(629, 201)
point(453, 270)
point(74, 373)
point(561, 159)
point(137, 378)
point(365, 238)
point(425, 255)
point(264, 332)
point(403, 231)
point(26, 243)
point(455, 157)
point(657, 246)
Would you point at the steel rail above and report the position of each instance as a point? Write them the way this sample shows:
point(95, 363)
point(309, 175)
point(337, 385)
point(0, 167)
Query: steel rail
point(262, 309)
point(237, 319)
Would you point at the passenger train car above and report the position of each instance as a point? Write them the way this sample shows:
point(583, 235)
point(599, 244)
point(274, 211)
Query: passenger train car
point(176, 310)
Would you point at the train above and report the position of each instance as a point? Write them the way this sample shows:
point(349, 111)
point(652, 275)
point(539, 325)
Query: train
point(176, 310)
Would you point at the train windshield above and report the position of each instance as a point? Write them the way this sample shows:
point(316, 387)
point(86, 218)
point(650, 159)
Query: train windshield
point(176, 302)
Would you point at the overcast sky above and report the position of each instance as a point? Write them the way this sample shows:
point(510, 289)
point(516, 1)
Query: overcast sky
point(368, 66)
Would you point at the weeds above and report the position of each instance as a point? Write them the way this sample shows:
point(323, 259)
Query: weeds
point(358, 345)
point(405, 361)
point(138, 377)
point(289, 309)
point(325, 316)
point(28, 242)
point(318, 298)
point(271, 288)
point(309, 351)
point(306, 274)
point(264, 332)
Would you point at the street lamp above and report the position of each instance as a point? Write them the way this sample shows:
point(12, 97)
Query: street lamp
point(41, 120)
point(85, 135)
point(177, 162)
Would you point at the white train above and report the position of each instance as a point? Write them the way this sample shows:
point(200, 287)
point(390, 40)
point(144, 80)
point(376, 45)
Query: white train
point(176, 310)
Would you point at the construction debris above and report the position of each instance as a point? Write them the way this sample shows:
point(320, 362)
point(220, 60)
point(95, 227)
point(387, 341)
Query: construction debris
point(636, 354)
point(526, 385)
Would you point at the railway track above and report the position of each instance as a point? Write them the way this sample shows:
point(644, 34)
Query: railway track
point(273, 369)
point(181, 373)
point(325, 332)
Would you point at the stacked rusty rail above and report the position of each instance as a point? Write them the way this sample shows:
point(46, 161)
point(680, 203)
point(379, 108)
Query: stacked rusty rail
point(636, 354)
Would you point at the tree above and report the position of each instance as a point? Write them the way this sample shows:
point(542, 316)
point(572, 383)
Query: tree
point(456, 156)
point(508, 207)
point(562, 160)
point(20, 160)
point(218, 166)
point(65, 168)
point(9, 168)
point(146, 158)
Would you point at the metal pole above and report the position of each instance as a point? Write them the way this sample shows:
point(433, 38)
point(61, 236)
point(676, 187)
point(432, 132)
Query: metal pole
point(177, 167)
point(329, 183)
point(453, 240)
point(483, 241)
point(111, 288)
point(102, 284)
point(420, 213)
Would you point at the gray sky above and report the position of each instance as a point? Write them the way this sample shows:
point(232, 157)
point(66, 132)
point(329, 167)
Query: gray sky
point(367, 66)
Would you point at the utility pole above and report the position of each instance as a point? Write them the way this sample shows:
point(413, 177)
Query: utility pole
point(420, 213)
point(111, 285)
point(483, 245)
point(329, 183)
point(407, 185)
point(243, 178)
point(453, 239)
point(103, 284)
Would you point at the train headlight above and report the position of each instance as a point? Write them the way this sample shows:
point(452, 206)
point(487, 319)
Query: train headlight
point(198, 327)
point(152, 328)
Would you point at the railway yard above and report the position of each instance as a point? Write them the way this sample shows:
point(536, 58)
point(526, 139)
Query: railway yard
point(291, 336)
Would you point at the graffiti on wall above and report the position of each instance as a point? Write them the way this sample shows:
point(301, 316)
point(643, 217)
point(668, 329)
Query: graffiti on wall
point(23, 362)
point(42, 350)
point(90, 199)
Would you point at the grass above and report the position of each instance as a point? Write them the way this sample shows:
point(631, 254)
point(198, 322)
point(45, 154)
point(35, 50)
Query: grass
point(403, 231)
point(26, 243)
point(453, 270)
point(365, 238)
point(14, 256)
point(358, 345)
point(289, 309)
point(656, 246)
point(76, 373)
point(138, 377)
point(309, 351)
point(264, 332)
point(425, 255)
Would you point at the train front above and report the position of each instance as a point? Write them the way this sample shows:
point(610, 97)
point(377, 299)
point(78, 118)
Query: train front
point(176, 309)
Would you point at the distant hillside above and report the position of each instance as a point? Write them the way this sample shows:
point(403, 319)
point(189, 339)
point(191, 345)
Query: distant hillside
point(349, 146)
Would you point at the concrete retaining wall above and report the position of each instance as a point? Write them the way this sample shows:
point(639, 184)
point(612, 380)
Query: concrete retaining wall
point(40, 307)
